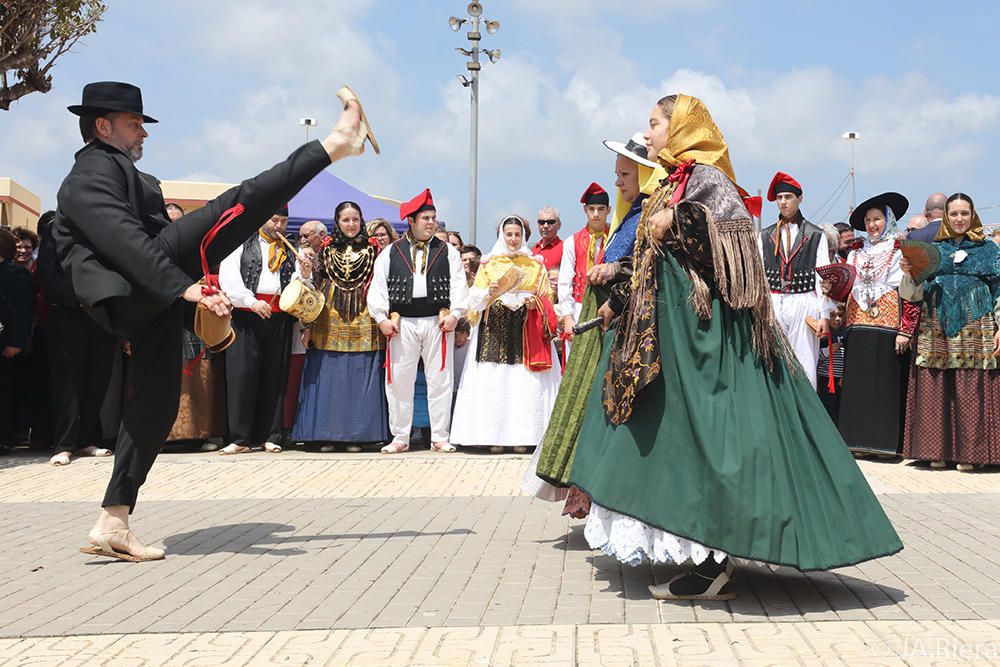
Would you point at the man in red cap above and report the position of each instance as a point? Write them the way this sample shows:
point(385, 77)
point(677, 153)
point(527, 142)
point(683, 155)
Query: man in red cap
point(581, 252)
point(417, 295)
point(792, 248)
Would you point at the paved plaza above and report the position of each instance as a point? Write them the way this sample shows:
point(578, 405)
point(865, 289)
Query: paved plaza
point(429, 559)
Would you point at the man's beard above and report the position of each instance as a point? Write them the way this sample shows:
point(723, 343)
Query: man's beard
point(134, 153)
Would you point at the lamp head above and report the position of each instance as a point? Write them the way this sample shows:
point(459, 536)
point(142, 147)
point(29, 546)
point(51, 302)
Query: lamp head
point(492, 27)
point(455, 23)
point(475, 9)
point(494, 54)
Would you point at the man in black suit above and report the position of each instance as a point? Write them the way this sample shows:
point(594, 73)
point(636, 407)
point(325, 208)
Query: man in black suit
point(132, 270)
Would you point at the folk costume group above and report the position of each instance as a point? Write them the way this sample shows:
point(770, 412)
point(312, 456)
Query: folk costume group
point(688, 432)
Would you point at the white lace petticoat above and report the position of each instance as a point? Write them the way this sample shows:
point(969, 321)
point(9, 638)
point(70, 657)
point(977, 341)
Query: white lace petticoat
point(631, 541)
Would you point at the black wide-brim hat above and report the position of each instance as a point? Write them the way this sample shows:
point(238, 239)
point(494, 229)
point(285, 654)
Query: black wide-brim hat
point(103, 96)
point(893, 200)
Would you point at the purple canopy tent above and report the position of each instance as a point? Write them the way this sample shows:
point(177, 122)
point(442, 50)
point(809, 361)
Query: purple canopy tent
point(321, 195)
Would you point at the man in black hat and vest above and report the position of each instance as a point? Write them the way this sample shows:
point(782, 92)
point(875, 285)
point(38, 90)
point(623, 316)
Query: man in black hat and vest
point(133, 270)
point(417, 295)
point(253, 277)
point(792, 248)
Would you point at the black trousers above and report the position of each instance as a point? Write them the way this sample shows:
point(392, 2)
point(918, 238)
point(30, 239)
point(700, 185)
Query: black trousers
point(81, 359)
point(256, 377)
point(151, 406)
point(8, 390)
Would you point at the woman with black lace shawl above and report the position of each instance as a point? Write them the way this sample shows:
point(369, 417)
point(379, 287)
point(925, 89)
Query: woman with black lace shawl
point(343, 383)
point(703, 439)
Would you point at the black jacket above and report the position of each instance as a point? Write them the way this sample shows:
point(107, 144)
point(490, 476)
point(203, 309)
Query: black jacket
point(55, 285)
point(17, 305)
point(125, 260)
point(107, 218)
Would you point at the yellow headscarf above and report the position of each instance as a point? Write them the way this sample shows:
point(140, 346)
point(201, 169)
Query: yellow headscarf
point(649, 180)
point(693, 135)
point(975, 232)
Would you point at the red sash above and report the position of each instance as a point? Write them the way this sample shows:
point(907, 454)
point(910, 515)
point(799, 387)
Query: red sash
point(539, 327)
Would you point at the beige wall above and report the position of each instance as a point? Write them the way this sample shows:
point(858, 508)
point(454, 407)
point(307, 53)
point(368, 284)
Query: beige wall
point(19, 206)
point(191, 195)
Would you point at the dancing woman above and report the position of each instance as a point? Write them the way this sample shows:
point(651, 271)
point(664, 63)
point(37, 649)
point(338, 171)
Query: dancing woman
point(703, 440)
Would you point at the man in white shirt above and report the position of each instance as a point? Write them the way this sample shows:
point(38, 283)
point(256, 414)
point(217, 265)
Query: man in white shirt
point(791, 249)
point(581, 252)
point(257, 362)
point(417, 295)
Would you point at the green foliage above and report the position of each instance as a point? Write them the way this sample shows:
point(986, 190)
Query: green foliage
point(33, 35)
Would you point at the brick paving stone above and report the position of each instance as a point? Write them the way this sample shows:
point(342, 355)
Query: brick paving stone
point(350, 559)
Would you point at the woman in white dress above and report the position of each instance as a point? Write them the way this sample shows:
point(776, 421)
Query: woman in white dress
point(512, 373)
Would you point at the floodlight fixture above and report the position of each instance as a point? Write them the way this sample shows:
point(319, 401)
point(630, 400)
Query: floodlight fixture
point(494, 54)
point(492, 26)
point(475, 9)
point(455, 23)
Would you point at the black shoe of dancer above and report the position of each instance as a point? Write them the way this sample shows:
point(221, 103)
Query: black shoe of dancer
point(702, 582)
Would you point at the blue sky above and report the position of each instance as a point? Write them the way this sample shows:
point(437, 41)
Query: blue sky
point(229, 81)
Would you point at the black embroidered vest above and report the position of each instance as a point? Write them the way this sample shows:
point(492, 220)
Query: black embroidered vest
point(251, 264)
point(400, 280)
point(797, 274)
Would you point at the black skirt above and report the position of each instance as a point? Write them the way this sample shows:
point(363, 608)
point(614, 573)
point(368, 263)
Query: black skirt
point(873, 394)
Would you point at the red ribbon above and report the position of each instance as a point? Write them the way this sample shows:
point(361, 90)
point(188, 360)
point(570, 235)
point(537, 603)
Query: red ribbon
point(189, 367)
point(388, 360)
point(211, 285)
point(831, 386)
point(444, 348)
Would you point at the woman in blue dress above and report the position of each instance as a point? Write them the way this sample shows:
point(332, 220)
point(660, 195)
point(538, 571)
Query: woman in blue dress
point(343, 397)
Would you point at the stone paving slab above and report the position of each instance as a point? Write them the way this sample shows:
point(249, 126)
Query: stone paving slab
point(303, 474)
point(306, 564)
point(842, 643)
point(426, 559)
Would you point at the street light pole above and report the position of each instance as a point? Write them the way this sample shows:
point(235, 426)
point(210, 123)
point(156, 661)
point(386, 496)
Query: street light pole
point(853, 137)
point(307, 123)
point(473, 66)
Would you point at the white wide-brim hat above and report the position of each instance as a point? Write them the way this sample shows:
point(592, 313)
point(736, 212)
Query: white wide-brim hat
point(634, 150)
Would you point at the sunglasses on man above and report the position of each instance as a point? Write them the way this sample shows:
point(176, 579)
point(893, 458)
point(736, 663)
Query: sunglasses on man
point(542, 223)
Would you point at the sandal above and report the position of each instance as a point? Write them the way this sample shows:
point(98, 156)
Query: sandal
point(443, 447)
point(703, 582)
point(94, 450)
point(272, 448)
point(345, 95)
point(101, 546)
point(61, 459)
point(395, 447)
point(233, 448)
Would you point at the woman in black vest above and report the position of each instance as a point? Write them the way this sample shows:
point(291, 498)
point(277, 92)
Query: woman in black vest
point(343, 393)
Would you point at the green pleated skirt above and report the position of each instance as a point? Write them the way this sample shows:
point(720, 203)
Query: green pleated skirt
point(723, 452)
point(559, 444)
